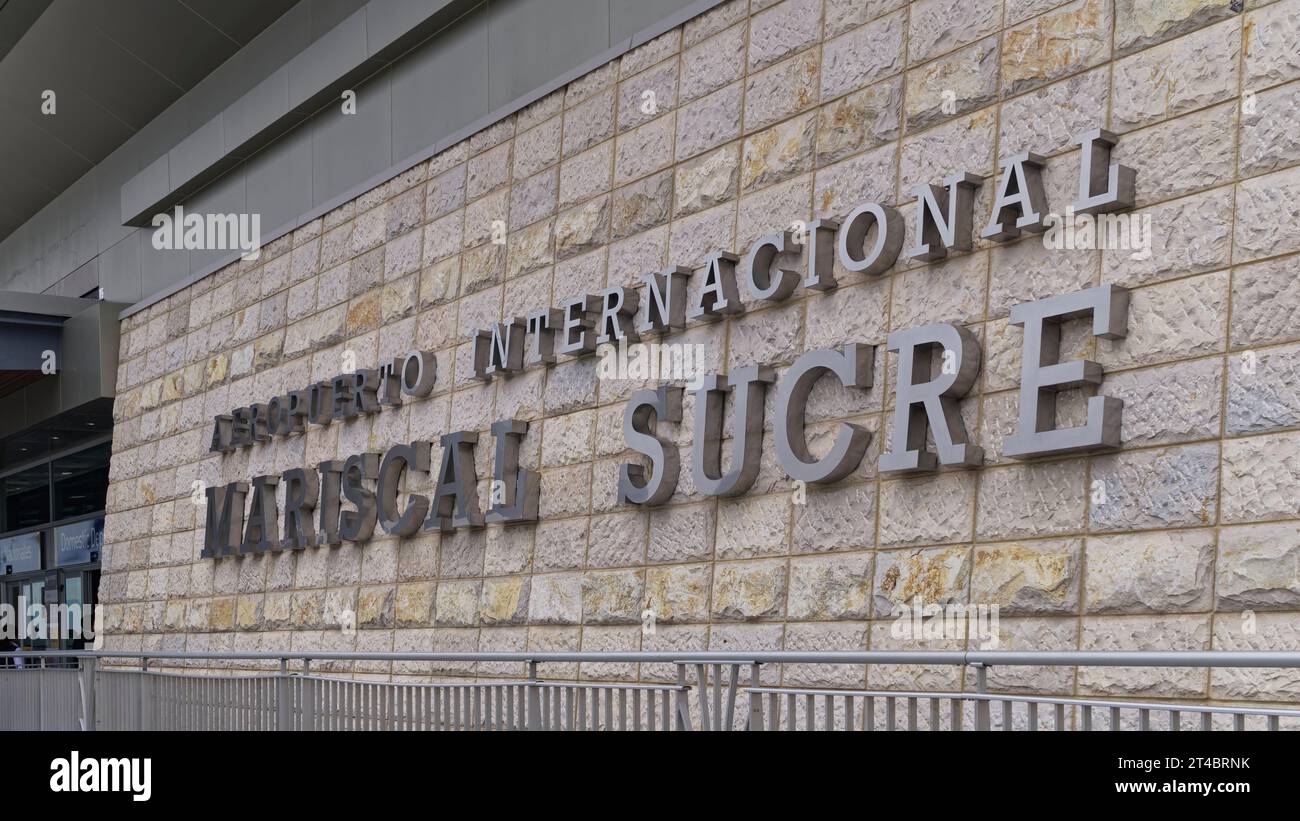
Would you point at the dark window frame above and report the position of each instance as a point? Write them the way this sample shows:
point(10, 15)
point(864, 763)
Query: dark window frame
point(48, 463)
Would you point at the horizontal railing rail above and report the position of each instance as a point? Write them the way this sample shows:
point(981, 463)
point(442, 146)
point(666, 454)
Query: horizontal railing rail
point(1083, 658)
point(855, 709)
point(711, 690)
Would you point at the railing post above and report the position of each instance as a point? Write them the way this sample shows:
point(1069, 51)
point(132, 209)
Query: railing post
point(981, 705)
point(533, 720)
point(755, 699)
point(39, 675)
point(146, 696)
point(283, 719)
point(86, 679)
point(683, 702)
point(308, 697)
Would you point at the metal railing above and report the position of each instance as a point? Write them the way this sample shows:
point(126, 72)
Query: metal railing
point(707, 691)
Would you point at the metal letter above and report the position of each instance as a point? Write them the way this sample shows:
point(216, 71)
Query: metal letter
point(277, 415)
point(419, 373)
point(520, 486)
point(222, 426)
point(747, 386)
point(331, 485)
point(359, 525)
point(853, 366)
point(1020, 203)
point(344, 402)
point(365, 386)
point(225, 519)
point(455, 500)
point(320, 404)
point(921, 402)
point(936, 232)
point(821, 255)
point(1042, 373)
point(541, 327)
point(241, 428)
point(763, 279)
point(889, 238)
point(1103, 186)
point(719, 295)
point(507, 349)
point(398, 460)
point(666, 303)
point(390, 383)
point(263, 519)
point(299, 410)
point(576, 338)
point(664, 404)
point(481, 353)
point(259, 422)
point(617, 307)
point(301, 493)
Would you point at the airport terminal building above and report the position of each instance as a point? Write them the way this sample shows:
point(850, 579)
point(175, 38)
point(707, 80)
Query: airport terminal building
point(744, 325)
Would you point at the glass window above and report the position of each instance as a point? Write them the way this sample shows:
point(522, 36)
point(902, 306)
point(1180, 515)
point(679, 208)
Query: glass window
point(26, 499)
point(81, 482)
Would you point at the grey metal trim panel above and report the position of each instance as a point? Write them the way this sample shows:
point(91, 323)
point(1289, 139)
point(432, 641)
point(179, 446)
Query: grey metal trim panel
point(270, 232)
point(341, 58)
point(23, 343)
point(526, 29)
point(88, 360)
point(42, 304)
point(89, 367)
point(153, 184)
point(251, 118)
point(1016, 658)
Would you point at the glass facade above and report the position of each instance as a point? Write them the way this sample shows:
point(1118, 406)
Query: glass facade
point(52, 534)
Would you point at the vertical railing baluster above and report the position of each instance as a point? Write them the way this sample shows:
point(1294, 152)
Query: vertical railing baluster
point(701, 681)
point(282, 717)
point(145, 706)
point(755, 721)
point(730, 722)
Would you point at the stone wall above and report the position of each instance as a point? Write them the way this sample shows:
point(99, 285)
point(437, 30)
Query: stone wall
point(763, 114)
